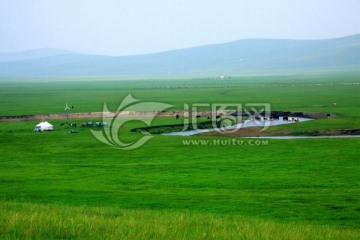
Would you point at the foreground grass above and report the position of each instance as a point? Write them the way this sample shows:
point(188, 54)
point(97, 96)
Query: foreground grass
point(302, 180)
point(61, 185)
point(48, 221)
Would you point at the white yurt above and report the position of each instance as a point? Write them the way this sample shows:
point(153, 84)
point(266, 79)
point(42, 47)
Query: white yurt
point(44, 126)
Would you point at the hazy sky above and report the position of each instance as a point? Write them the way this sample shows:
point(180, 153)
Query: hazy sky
point(125, 27)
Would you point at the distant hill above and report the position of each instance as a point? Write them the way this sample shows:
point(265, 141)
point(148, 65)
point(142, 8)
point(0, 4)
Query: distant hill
point(243, 56)
point(31, 54)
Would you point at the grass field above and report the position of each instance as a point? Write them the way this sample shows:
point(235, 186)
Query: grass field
point(39, 221)
point(60, 185)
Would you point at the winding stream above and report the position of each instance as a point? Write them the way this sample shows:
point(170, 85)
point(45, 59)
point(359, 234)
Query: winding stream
point(305, 137)
point(245, 124)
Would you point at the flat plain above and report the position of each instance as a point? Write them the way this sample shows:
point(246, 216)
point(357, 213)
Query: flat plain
point(61, 185)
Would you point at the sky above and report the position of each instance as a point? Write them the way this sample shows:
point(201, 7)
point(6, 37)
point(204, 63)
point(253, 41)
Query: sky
point(130, 27)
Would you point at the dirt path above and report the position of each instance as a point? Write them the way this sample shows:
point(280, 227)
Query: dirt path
point(144, 114)
point(86, 115)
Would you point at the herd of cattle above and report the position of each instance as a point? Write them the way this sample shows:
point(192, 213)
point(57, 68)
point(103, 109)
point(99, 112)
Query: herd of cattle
point(257, 118)
point(177, 116)
point(87, 124)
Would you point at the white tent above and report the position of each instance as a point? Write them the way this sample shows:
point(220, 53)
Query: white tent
point(44, 126)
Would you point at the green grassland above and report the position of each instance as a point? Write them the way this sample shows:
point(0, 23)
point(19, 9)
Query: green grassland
point(52, 221)
point(61, 185)
point(306, 93)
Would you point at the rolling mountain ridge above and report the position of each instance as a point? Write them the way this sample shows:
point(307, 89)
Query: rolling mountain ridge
point(242, 56)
